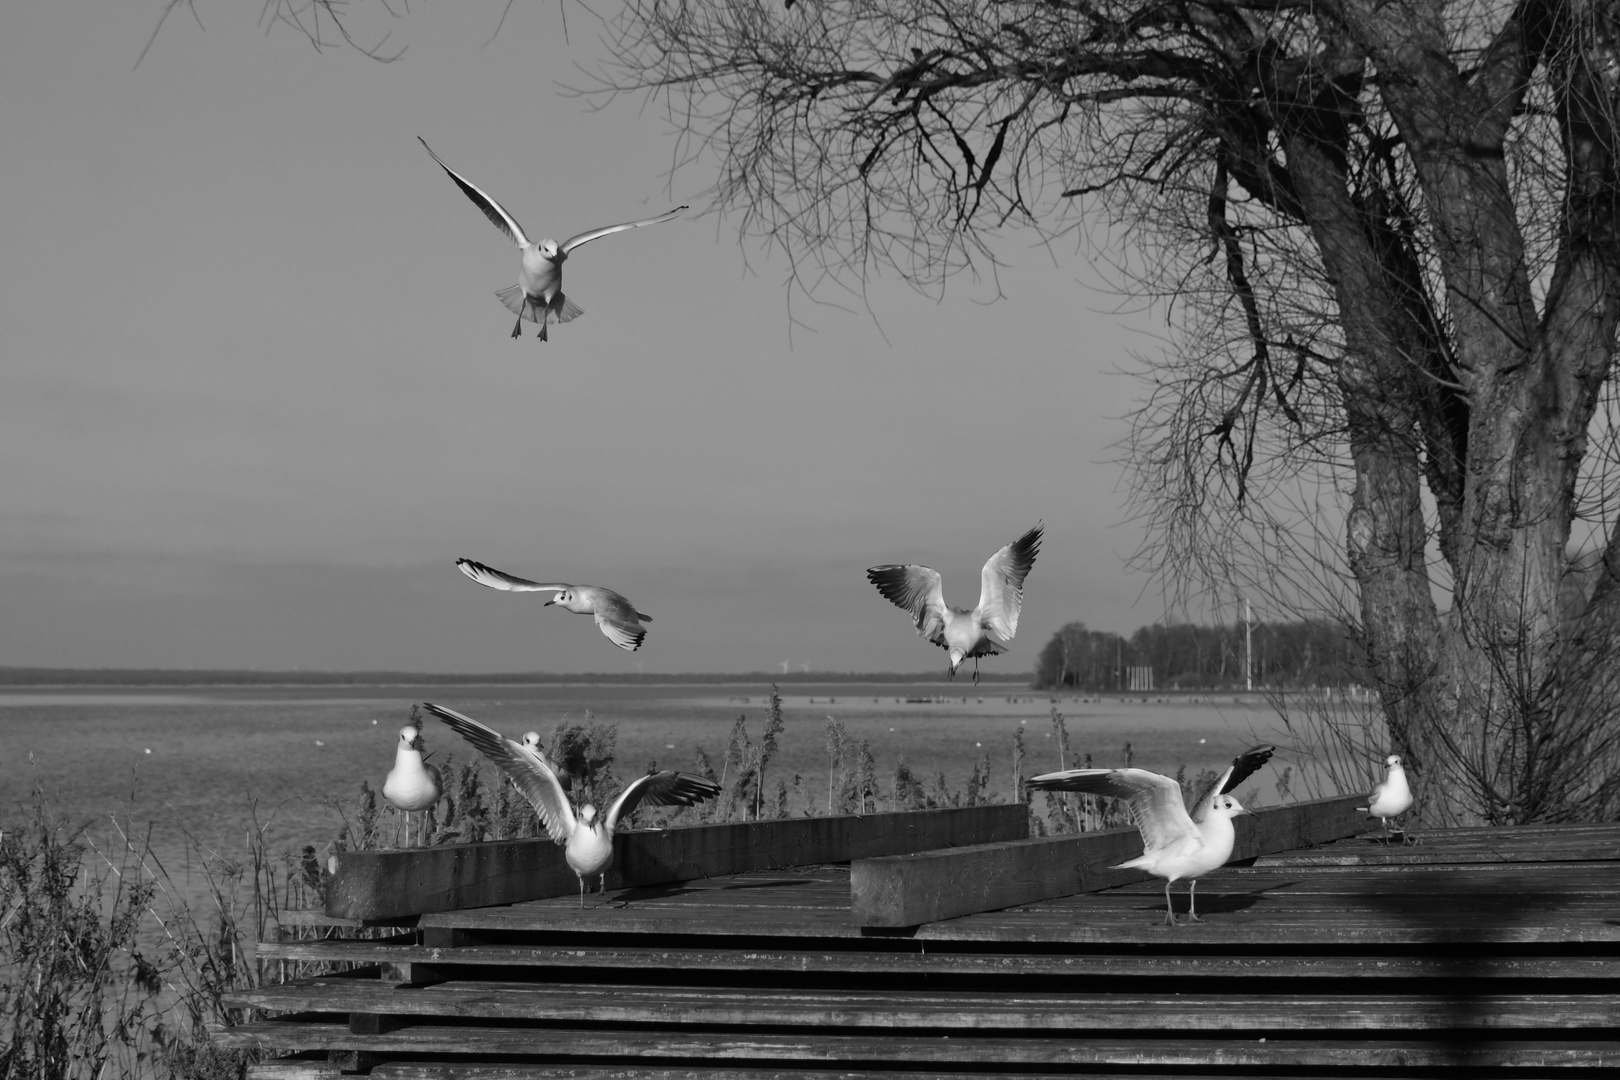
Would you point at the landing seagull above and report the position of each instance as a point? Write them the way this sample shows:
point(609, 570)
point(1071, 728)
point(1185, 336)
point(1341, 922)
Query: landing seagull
point(965, 634)
point(588, 839)
point(617, 617)
point(1175, 844)
point(538, 292)
point(412, 784)
point(1392, 798)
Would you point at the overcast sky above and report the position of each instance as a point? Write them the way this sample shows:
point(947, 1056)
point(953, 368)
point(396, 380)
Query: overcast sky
point(258, 394)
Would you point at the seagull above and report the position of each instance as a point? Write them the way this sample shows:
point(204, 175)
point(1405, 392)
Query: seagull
point(412, 785)
point(1175, 844)
point(531, 743)
point(1392, 798)
point(617, 617)
point(538, 292)
point(961, 632)
point(588, 839)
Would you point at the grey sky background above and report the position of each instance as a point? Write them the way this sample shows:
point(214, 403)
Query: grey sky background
point(258, 393)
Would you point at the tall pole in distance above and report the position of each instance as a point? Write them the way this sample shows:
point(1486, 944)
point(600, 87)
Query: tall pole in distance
point(1248, 646)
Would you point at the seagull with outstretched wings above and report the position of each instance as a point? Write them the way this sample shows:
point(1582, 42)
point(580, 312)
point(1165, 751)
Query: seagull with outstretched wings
point(964, 633)
point(588, 839)
point(538, 293)
point(616, 617)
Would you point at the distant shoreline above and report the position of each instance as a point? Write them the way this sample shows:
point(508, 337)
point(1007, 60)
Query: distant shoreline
point(47, 678)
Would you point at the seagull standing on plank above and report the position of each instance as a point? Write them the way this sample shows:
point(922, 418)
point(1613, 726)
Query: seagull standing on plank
point(1392, 798)
point(965, 634)
point(412, 784)
point(617, 617)
point(588, 839)
point(538, 292)
point(1175, 844)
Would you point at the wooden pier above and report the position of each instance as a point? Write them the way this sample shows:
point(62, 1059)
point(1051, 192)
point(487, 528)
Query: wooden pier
point(1474, 953)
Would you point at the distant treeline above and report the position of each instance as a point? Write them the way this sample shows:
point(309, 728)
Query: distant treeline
point(41, 676)
point(1187, 657)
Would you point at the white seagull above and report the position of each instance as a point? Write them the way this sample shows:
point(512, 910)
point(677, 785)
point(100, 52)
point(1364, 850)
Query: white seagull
point(588, 839)
point(1175, 844)
point(617, 617)
point(412, 784)
point(1392, 798)
point(983, 631)
point(538, 292)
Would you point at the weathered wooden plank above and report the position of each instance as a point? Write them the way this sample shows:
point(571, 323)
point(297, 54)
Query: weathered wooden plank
point(452, 1070)
point(309, 1067)
point(914, 1052)
point(907, 890)
point(382, 1006)
point(974, 965)
point(371, 885)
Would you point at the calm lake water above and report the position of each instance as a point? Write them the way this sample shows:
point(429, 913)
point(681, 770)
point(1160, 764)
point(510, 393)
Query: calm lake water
point(197, 759)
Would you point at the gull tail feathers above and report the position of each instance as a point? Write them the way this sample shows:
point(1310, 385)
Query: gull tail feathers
point(566, 309)
point(1141, 862)
point(518, 303)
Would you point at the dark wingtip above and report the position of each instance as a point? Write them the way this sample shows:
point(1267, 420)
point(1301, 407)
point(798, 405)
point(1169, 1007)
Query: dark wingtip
point(1247, 764)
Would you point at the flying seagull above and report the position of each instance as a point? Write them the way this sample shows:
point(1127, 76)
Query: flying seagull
point(1175, 844)
point(1392, 798)
point(412, 785)
point(588, 838)
point(983, 631)
point(617, 617)
point(538, 292)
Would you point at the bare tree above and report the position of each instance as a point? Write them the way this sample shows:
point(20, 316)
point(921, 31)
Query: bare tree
point(1389, 229)
point(1390, 226)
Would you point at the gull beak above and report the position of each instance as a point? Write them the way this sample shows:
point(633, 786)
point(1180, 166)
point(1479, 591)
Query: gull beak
point(548, 603)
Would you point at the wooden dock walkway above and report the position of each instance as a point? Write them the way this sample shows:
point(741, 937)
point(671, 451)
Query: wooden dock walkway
point(1475, 953)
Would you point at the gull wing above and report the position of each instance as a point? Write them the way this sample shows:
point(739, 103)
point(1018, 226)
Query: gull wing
point(1154, 800)
point(666, 788)
point(919, 590)
point(496, 579)
point(492, 209)
point(1001, 593)
point(1243, 766)
point(527, 769)
point(586, 237)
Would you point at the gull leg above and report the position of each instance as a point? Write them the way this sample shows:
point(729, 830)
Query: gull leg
point(1386, 830)
point(975, 671)
point(1192, 902)
point(1169, 908)
point(601, 884)
point(582, 892)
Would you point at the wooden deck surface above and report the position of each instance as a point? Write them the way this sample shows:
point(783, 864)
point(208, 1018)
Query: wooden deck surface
point(1471, 953)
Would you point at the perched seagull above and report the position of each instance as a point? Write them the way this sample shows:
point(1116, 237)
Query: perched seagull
point(1174, 844)
point(532, 743)
point(1392, 798)
point(588, 838)
point(412, 784)
point(538, 292)
point(617, 617)
point(961, 632)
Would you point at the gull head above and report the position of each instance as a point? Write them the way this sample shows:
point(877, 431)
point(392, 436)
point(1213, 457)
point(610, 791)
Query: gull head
point(410, 738)
point(957, 656)
point(531, 741)
point(569, 600)
point(548, 249)
point(587, 816)
point(1227, 806)
point(1393, 759)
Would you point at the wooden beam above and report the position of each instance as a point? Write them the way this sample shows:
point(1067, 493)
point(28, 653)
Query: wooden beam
point(908, 890)
point(380, 885)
